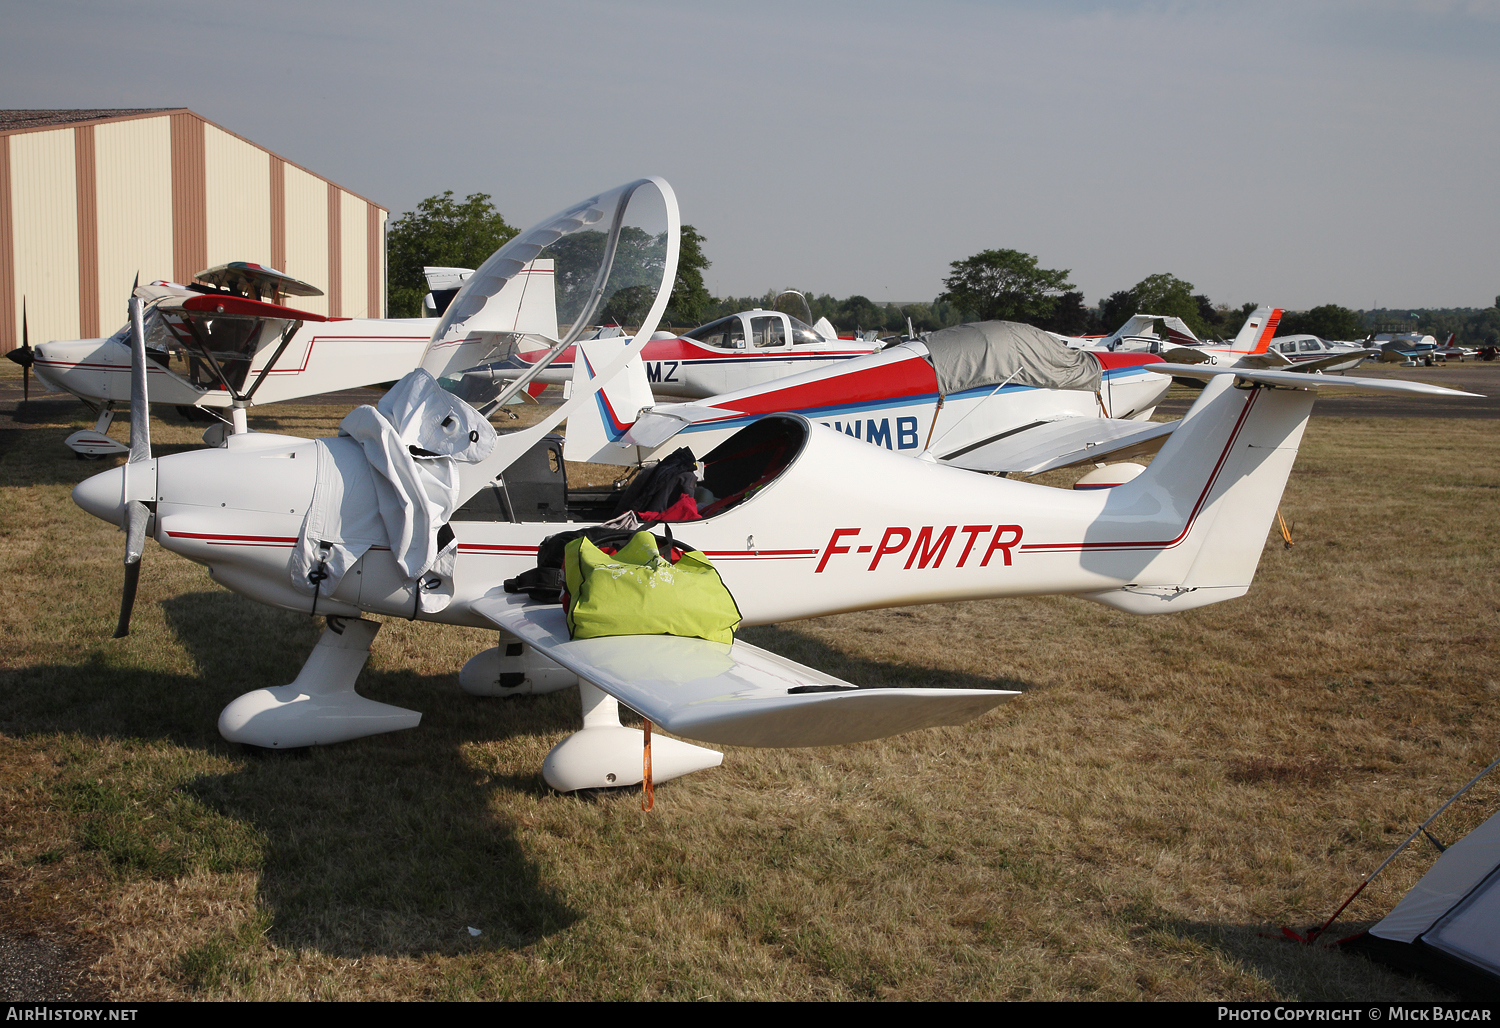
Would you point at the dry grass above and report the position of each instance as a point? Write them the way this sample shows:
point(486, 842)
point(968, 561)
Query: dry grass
point(1166, 792)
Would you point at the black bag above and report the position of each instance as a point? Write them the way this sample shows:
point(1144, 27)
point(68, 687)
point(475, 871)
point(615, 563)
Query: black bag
point(657, 488)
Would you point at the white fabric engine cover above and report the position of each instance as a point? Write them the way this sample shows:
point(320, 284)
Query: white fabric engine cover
point(388, 479)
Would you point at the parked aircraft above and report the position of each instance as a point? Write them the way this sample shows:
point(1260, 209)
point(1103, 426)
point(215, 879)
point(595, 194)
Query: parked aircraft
point(1302, 348)
point(1406, 348)
point(808, 521)
point(1138, 334)
point(1256, 346)
point(1450, 351)
point(737, 352)
point(740, 351)
point(219, 345)
point(996, 396)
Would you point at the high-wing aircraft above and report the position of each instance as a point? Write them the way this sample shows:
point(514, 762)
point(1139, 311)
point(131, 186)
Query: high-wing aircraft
point(808, 521)
point(740, 351)
point(229, 343)
point(1406, 348)
point(1138, 334)
point(1451, 351)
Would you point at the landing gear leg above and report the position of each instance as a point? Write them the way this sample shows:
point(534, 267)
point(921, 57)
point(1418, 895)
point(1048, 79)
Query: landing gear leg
point(321, 706)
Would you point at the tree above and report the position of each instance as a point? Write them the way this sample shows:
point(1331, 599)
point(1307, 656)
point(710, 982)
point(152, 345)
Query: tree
point(1004, 285)
point(1069, 316)
point(1329, 321)
point(860, 314)
point(690, 302)
point(636, 270)
point(441, 232)
point(1168, 295)
point(1116, 309)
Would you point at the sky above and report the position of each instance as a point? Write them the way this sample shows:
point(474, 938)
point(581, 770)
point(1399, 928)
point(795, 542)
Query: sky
point(1286, 153)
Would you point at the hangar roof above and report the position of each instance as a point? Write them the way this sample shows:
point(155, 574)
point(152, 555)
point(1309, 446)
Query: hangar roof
point(14, 121)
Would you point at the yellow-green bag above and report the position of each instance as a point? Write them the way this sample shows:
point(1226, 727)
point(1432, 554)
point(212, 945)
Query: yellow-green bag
point(637, 591)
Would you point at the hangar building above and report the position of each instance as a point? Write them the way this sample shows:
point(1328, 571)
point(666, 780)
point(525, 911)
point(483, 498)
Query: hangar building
point(89, 198)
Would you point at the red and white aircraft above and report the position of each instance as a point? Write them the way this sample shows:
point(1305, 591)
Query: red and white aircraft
point(232, 345)
point(808, 521)
point(995, 396)
point(738, 352)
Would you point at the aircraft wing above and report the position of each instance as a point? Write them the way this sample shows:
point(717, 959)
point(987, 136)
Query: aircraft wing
point(1050, 445)
point(737, 695)
point(1183, 354)
point(1302, 380)
point(1333, 360)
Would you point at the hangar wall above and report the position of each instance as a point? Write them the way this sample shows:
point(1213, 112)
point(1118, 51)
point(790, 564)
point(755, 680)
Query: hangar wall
point(88, 199)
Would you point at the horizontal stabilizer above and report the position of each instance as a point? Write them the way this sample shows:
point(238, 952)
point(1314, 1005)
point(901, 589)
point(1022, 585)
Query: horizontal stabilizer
point(655, 427)
point(737, 695)
point(1302, 380)
point(1066, 443)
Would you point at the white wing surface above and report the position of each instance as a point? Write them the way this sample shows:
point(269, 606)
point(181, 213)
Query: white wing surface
point(1301, 380)
point(1065, 443)
point(737, 695)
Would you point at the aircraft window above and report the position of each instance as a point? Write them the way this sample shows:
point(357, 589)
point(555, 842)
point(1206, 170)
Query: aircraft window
point(1288, 347)
point(728, 333)
point(1310, 346)
point(802, 334)
point(767, 332)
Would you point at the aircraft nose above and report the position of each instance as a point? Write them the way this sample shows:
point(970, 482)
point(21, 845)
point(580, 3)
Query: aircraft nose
point(103, 495)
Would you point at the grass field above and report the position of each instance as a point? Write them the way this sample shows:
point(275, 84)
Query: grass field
point(1167, 792)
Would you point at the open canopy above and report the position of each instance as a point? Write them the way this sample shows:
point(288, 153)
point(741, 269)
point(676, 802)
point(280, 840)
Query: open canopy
point(610, 258)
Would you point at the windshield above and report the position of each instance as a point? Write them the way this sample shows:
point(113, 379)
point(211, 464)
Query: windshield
point(602, 261)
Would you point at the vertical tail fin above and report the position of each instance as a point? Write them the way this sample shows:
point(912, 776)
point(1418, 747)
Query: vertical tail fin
point(595, 429)
point(1214, 489)
point(1260, 326)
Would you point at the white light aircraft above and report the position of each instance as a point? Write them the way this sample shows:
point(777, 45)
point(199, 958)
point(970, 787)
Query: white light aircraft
point(813, 522)
point(995, 396)
point(233, 345)
point(736, 352)
point(1137, 334)
point(1258, 346)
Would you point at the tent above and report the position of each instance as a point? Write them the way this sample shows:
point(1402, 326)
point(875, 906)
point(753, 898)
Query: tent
point(1447, 927)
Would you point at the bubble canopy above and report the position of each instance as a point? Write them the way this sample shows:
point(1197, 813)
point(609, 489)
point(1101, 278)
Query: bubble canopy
point(610, 259)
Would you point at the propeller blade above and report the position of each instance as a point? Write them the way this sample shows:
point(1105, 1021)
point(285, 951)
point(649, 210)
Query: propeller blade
point(136, 518)
point(140, 472)
point(23, 355)
point(140, 408)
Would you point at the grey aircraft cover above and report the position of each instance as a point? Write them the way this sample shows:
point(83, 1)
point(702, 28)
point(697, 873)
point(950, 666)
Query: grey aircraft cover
point(991, 353)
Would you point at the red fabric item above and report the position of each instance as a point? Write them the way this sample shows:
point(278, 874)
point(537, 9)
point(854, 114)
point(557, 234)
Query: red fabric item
point(685, 509)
